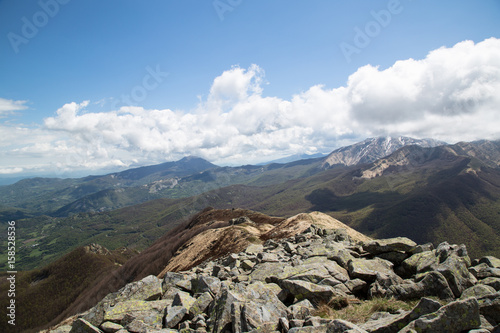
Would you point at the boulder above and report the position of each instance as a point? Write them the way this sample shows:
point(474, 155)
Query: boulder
point(171, 279)
point(266, 270)
point(382, 283)
point(174, 316)
point(395, 257)
point(477, 291)
point(393, 323)
point(300, 310)
point(205, 283)
point(489, 306)
point(367, 270)
point(152, 312)
point(419, 262)
point(306, 290)
point(341, 326)
point(201, 304)
point(455, 271)
point(247, 265)
point(147, 289)
point(356, 285)
point(432, 284)
point(82, 326)
point(398, 244)
point(110, 327)
point(490, 261)
point(458, 316)
point(492, 282)
point(244, 308)
point(254, 249)
point(422, 248)
point(483, 270)
point(183, 299)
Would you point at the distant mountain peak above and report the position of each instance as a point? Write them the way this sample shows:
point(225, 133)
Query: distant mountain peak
point(372, 149)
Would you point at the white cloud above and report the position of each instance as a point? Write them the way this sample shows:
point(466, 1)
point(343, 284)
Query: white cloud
point(8, 106)
point(450, 95)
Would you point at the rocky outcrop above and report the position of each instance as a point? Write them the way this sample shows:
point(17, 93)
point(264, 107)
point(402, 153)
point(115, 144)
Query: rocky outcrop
point(280, 285)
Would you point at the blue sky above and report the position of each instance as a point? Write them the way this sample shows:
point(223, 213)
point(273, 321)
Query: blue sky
point(101, 85)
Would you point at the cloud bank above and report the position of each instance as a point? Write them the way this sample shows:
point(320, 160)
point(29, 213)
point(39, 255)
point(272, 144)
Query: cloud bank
point(451, 95)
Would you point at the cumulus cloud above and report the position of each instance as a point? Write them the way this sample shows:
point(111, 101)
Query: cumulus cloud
point(451, 95)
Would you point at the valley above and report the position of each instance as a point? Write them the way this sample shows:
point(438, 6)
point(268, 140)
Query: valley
point(425, 193)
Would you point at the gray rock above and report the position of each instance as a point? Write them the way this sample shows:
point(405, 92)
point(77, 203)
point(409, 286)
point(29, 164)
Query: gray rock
point(185, 285)
point(240, 220)
point(398, 244)
point(314, 250)
point(205, 283)
point(174, 316)
point(171, 279)
point(245, 308)
point(490, 261)
point(393, 323)
point(313, 273)
point(82, 326)
point(306, 290)
point(395, 257)
point(367, 270)
point(201, 304)
point(455, 271)
point(296, 323)
point(147, 289)
point(316, 321)
point(489, 306)
point(300, 310)
point(284, 324)
point(289, 247)
point(341, 256)
point(137, 326)
point(356, 285)
point(150, 312)
point(268, 257)
point(220, 311)
point(382, 284)
point(483, 271)
point(456, 316)
point(432, 284)
point(309, 329)
point(340, 326)
point(183, 299)
point(477, 291)
point(110, 327)
point(419, 262)
point(247, 264)
point(492, 282)
point(266, 270)
point(254, 248)
point(421, 248)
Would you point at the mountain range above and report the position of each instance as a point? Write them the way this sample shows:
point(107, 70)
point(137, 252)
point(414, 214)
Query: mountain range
point(426, 192)
point(422, 192)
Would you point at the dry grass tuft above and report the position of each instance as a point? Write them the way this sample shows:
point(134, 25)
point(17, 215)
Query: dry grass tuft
point(356, 311)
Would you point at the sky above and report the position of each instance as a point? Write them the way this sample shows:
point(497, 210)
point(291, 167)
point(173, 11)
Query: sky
point(89, 87)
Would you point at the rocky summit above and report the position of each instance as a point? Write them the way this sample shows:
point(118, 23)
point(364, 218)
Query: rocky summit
point(283, 285)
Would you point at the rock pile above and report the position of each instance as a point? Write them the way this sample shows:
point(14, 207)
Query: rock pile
point(278, 285)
